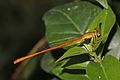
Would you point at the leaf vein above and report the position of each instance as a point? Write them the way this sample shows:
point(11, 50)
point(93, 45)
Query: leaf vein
point(70, 19)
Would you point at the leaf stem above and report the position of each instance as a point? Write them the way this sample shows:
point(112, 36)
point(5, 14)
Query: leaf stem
point(96, 58)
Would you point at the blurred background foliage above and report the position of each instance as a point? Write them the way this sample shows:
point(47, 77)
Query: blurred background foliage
point(21, 27)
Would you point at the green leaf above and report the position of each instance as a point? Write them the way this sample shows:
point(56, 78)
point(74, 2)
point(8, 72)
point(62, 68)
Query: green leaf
point(64, 75)
point(76, 62)
point(57, 70)
point(108, 69)
point(107, 23)
point(72, 52)
point(47, 60)
point(68, 76)
point(103, 3)
point(105, 20)
point(68, 21)
point(59, 67)
point(78, 65)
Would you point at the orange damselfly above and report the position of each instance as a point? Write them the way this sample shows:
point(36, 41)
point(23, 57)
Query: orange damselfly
point(87, 35)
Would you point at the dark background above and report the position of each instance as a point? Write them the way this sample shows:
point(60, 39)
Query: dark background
point(21, 27)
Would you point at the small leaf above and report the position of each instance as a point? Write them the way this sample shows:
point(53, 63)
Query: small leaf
point(64, 75)
point(76, 62)
point(103, 3)
point(78, 65)
point(59, 67)
point(72, 52)
point(68, 76)
point(108, 69)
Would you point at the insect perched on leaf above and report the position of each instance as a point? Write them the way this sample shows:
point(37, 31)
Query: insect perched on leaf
point(93, 35)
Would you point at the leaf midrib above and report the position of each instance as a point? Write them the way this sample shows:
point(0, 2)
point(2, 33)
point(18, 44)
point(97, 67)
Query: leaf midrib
point(104, 72)
point(70, 19)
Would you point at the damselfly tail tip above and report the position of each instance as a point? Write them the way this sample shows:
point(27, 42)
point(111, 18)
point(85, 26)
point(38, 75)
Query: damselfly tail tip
point(15, 62)
point(18, 60)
